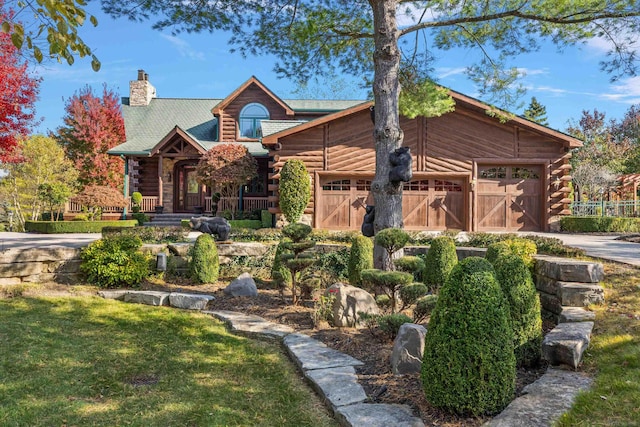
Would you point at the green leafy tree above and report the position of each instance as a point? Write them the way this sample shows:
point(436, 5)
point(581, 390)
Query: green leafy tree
point(49, 29)
point(536, 112)
point(313, 37)
point(55, 196)
point(227, 167)
point(42, 162)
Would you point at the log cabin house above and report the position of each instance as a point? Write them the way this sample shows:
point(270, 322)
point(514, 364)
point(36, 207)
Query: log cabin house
point(470, 171)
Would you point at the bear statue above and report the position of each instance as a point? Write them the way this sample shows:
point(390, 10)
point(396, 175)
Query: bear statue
point(217, 226)
point(401, 163)
point(367, 222)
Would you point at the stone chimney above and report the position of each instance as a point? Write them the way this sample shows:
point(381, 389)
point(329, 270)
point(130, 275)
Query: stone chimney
point(141, 91)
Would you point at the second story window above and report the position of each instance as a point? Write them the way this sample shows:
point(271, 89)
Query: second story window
point(250, 117)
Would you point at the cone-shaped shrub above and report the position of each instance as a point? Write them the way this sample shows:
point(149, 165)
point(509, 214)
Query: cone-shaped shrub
point(469, 367)
point(204, 265)
point(360, 258)
point(524, 248)
point(524, 307)
point(440, 260)
point(294, 189)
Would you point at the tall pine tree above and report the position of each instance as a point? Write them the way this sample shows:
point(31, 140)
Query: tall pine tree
point(536, 112)
point(94, 125)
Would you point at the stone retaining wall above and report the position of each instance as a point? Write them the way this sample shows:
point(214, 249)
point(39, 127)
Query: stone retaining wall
point(52, 264)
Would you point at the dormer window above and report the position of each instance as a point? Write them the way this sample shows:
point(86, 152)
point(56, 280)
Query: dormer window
point(250, 117)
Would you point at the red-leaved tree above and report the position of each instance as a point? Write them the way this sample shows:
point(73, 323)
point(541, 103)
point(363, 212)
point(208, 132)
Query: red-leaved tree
point(18, 94)
point(94, 125)
point(226, 167)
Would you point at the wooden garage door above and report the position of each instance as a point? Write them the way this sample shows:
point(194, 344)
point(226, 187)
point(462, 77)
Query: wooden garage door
point(509, 198)
point(433, 204)
point(428, 204)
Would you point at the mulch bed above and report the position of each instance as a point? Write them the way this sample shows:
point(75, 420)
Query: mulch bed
point(371, 347)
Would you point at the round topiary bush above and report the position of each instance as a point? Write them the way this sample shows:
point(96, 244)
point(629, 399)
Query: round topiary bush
point(524, 307)
point(411, 264)
point(390, 323)
point(204, 265)
point(392, 239)
point(440, 260)
point(360, 258)
point(424, 307)
point(389, 282)
point(115, 261)
point(411, 293)
point(524, 248)
point(469, 367)
point(279, 271)
point(294, 189)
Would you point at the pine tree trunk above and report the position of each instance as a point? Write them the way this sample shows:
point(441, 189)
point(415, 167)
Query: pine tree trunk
point(387, 134)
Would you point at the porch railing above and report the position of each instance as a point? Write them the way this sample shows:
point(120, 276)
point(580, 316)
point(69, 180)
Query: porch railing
point(228, 203)
point(148, 204)
point(626, 208)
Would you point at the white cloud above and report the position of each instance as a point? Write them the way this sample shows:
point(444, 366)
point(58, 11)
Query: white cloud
point(626, 91)
point(444, 72)
point(184, 48)
point(532, 71)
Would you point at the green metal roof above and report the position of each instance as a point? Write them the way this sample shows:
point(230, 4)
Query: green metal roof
point(270, 127)
point(146, 126)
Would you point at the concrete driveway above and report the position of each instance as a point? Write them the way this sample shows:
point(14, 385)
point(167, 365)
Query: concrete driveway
point(9, 240)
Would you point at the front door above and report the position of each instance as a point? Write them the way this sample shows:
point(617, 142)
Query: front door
point(187, 191)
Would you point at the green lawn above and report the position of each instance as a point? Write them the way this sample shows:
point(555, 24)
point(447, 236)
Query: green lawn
point(613, 356)
point(88, 361)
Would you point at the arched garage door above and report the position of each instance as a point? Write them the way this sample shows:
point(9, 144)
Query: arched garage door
point(428, 204)
point(510, 198)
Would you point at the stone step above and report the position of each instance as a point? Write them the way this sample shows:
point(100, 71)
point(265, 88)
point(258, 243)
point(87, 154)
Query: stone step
point(566, 343)
point(579, 294)
point(576, 314)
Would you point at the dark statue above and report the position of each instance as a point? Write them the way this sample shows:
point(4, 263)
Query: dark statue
point(401, 163)
point(217, 226)
point(367, 222)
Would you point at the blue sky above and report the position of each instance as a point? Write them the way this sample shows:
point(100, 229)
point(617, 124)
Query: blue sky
point(200, 66)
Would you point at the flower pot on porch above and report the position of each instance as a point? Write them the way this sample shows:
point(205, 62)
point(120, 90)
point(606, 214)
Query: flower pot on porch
point(159, 209)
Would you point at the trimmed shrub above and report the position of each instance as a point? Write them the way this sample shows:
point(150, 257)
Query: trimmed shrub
point(390, 323)
point(411, 264)
point(439, 261)
point(360, 258)
point(204, 265)
point(140, 217)
point(600, 224)
point(524, 306)
point(524, 248)
point(410, 294)
point(79, 226)
point(266, 219)
point(294, 189)
point(392, 239)
point(389, 282)
point(469, 367)
point(298, 260)
point(136, 200)
point(114, 262)
point(424, 307)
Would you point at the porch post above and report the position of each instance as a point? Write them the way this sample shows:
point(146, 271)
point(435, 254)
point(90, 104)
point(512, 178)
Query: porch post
point(160, 182)
point(125, 185)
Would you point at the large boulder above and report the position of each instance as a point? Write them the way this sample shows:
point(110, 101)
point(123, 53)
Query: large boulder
point(408, 349)
point(349, 301)
point(243, 286)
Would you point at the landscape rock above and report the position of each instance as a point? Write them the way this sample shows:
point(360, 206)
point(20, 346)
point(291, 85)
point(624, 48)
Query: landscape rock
point(543, 401)
point(577, 294)
point(309, 353)
point(251, 326)
point(113, 294)
point(408, 349)
point(242, 286)
point(378, 415)
point(338, 386)
point(189, 301)
point(147, 297)
point(349, 301)
point(569, 270)
point(565, 344)
point(179, 249)
point(576, 314)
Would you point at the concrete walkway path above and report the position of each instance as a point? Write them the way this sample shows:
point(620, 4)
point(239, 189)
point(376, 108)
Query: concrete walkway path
point(604, 246)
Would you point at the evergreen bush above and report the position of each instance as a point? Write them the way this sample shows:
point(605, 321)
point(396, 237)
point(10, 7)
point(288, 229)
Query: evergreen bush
point(424, 307)
point(524, 248)
point(389, 282)
point(524, 306)
point(204, 264)
point(439, 261)
point(294, 189)
point(360, 258)
point(136, 200)
point(114, 262)
point(298, 260)
point(469, 366)
point(390, 323)
point(411, 264)
point(410, 294)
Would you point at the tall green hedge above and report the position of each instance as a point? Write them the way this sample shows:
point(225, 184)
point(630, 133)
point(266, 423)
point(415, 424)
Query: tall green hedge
point(439, 261)
point(294, 189)
point(360, 258)
point(524, 306)
point(601, 224)
point(469, 367)
point(204, 265)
